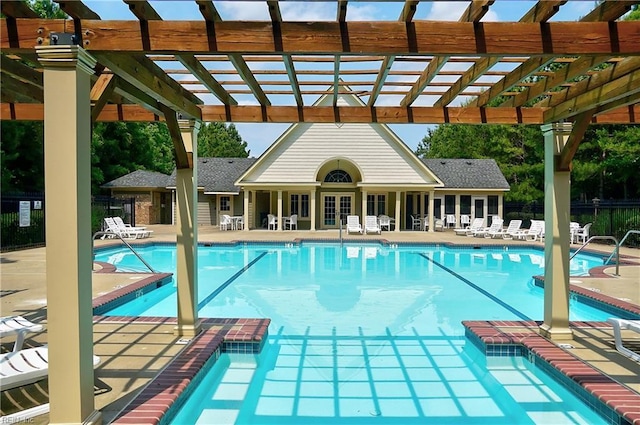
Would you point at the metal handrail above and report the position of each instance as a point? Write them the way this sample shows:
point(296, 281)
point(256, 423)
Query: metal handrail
point(101, 233)
point(630, 232)
point(610, 238)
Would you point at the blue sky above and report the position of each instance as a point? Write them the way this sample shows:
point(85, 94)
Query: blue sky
point(260, 136)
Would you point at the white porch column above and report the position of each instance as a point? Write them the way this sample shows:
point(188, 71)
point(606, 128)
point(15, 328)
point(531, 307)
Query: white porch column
point(431, 210)
point(421, 206)
point(245, 213)
point(398, 212)
point(312, 209)
point(187, 235)
point(557, 185)
point(67, 160)
point(280, 226)
point(364, 206)
point(457, 211)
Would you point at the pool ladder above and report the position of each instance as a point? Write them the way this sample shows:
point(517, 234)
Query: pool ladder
point(615, 251)
point(101, 233)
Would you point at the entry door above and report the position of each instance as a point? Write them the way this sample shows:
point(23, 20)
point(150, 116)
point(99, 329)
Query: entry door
point(478, 208)
point(333, 203)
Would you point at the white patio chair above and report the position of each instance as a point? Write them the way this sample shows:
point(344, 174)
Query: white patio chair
point(451, 220)
point(292, 223)
point(272, 222)
point(385, 222)
point(465, 221)
point(139, 232)
point(496, 226)
point(512, 229)
point(618, 326)
point(582, 234)
point(18, 326)
point(416, 223)
point(225, 222)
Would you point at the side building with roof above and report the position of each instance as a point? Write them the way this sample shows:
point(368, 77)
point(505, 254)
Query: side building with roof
point(324, 171)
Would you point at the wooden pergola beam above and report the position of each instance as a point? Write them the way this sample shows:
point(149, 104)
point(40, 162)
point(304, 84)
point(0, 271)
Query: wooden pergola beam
point(579, 67)
point(569, 150)
point(137, 96)
point(609, 10)
point(288, 114)
point(540, 12)
point(17, 9)
point(341, 14)
point(76, 9)
point(183, 158)
point(473, 13)
point(208, 10)
point(143, 10)
point(145, 75)
point(613, 72)
point(205, 78)
point(101, 91)
point(328, 38)
point(407, 14)
point(245, 73)
point(19, 91)
point(21, 72)
point(622, 87)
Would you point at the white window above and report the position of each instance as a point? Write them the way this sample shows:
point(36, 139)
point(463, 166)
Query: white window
point(299, 204)
point(225, 203)
point(376, 203)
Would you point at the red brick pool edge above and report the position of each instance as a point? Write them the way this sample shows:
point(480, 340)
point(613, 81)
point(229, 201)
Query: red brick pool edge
point(506, 338)
point(162, 393)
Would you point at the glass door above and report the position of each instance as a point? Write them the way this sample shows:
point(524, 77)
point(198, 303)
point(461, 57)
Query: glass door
point(478, 208)
point(332, 203)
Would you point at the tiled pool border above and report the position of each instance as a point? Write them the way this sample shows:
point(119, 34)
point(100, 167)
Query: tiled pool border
point(163, 396)
point(613, 401)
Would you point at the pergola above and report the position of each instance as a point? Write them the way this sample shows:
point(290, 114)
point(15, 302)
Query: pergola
point(70, 73)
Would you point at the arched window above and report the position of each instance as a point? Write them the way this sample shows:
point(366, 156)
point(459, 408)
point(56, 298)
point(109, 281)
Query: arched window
point(337, 176)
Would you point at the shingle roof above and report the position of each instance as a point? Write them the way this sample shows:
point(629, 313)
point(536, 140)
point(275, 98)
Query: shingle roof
point(218, 174)
point(138, 178)
point(467, 173)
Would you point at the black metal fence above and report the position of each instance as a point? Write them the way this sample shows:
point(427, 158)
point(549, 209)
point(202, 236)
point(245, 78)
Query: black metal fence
point(22, 221)
point(609, 217)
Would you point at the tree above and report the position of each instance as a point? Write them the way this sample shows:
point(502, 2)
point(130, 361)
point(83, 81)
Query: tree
point(219, 140)
point(518, 151)
point(119, 148)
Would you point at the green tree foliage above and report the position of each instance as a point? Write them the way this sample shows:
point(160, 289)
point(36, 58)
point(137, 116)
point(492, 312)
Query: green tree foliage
point(518, 150)
point(21, 156)
point(216, 139)
point(47, 9)
point(605, 166)
point(119, 148)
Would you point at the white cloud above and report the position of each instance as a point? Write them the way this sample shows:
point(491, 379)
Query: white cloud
point(453, 10)
point(306, 11)
point(243, 10)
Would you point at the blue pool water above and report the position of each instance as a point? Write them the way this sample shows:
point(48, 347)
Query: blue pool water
point(367, 334)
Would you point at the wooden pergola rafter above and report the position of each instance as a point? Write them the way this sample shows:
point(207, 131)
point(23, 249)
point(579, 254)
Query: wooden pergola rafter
point(135, 51)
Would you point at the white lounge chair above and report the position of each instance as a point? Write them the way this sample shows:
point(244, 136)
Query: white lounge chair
point(353, 224)
point(112, 227)
point(475, 225)
point(371, 224)
point(26, 366)
point(618, 326)
point(142, 231)
point(496, 226)
point(513, 227)
point(532, 233)
point(18, 326)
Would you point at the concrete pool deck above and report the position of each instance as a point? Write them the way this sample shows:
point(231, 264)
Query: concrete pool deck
point(133, 352)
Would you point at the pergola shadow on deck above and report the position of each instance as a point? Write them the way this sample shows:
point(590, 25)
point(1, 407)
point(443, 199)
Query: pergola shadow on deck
point(73, 72)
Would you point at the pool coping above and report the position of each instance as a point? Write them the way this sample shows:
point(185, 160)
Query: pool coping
point(163, 396)
point(615, 402)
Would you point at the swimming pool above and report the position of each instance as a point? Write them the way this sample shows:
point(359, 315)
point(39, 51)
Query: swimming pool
point(368, 333)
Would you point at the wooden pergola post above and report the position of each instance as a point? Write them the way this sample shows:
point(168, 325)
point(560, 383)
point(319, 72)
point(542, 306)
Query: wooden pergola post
point(557, 191)
point(187, 234)
point(67, 139)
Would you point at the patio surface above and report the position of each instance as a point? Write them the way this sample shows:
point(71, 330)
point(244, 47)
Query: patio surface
point(132, 352)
